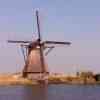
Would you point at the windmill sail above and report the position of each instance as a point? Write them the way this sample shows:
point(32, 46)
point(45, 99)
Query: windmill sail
point(41, 47)
point(57, 42)
point(13, 41)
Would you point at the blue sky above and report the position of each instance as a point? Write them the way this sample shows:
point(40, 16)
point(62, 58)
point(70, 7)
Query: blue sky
point(77, 21)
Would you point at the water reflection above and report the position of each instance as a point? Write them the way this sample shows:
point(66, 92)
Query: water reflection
point(35, 93)
point(23, 93)
point(50, 92)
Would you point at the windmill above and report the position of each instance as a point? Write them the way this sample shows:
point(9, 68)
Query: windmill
point(34, 56)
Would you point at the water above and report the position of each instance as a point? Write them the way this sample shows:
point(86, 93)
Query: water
point(51, 92)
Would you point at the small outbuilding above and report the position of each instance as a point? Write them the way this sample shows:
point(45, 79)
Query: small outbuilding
point(97, 77)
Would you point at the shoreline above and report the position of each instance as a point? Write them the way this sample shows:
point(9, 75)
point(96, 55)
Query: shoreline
point(7, 80)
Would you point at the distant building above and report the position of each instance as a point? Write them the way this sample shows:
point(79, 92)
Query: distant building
point(97, 77)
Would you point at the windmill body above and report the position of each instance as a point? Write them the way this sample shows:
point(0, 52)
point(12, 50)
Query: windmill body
point(35, 66)
point(33, 62)
point(32, 68)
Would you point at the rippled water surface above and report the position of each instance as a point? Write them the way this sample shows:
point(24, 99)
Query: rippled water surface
point(50, 92)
